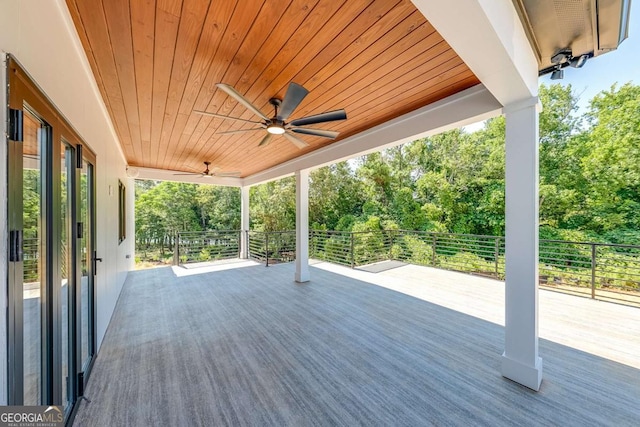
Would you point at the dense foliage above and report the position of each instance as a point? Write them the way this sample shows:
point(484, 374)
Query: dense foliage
point(589, 182)
point(166, 208)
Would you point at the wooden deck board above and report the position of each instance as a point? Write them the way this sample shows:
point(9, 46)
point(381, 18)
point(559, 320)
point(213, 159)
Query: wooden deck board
point(407, 346)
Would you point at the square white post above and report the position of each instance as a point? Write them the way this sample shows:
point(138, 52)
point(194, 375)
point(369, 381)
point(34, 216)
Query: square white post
point(244, 222)
point(520, 361)
point(302, 226)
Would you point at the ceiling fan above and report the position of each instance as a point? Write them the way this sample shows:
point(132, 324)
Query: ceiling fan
point(278, 125)
point(210, 173)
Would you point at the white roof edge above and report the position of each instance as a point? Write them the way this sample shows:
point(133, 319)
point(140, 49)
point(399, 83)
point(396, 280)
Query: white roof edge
point(490, 38)
point(169, 175)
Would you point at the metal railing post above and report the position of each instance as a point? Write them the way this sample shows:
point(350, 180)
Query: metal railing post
point(266, 248)
point(433, 250)
point(593, 271)
point(497, 254)
point(176, 250)
point(247, 242)
point(390, 244)
point(353, 258)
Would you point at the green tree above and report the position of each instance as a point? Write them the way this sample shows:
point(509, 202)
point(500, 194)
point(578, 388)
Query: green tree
point(611, 162)
point(218, 207)
point(164, 209)
point(273, 205)
point(376, 178)
point(334, 193)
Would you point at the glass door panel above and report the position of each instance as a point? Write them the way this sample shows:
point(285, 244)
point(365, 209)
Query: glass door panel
point(33, 250)
point(86, 263)
point(66, 269)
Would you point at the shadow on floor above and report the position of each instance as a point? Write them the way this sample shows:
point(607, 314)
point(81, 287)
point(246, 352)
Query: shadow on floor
point(249, 346)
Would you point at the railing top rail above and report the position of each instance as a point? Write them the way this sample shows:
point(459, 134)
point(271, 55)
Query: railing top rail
point(616, 245)
point(331, 232)
point(420, 232)
point(180, 233)
point(272, 232)
point(487, 236)
point(440, 233)
point(370, 231)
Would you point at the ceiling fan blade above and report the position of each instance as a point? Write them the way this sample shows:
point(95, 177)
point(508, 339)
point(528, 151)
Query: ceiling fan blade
point(295, 140)
point(187, 174)
point(237, 131)
point(329, 116)
point(220, 116)
point(228, 174)
point(241, 99)
point(317, 132)
point(265, 140)
point(294, 96)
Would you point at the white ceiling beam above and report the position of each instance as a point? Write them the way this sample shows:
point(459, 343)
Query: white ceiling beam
point(168, 175)
point(464, 108)
point(490, 38)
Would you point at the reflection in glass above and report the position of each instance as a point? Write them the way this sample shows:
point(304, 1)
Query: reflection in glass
point(85, 259)
point(65, 267)
point(33, 248)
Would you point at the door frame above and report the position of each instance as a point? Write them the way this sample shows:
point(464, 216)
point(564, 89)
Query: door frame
point(23, 92)
point(84, 369)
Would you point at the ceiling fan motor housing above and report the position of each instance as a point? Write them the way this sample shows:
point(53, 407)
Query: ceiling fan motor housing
point(283, 108)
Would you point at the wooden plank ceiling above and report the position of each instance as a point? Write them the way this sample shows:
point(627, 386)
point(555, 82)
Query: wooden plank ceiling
point(155, 61)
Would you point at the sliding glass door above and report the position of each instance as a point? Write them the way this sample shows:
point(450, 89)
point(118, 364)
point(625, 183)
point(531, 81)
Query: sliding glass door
point(67, 312)
point(34, 249)
point(51, 220)
point(86, 265)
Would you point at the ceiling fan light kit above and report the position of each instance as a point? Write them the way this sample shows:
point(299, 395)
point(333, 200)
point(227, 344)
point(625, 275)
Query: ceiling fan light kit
point(278, 125)
point(276, 129)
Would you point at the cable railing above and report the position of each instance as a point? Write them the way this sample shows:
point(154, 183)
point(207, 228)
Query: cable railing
point(470, 253)
point(31, 259)
point(201, 246)
point(272, 247)
point(597, 270)
point(257, 242)
point(332, 246)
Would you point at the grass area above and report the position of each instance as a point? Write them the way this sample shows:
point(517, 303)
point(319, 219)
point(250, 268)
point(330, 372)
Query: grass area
point(152, 257)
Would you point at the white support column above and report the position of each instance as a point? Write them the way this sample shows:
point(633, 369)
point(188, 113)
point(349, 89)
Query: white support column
point(520, 361)
point(302, 225)
point(244, 222)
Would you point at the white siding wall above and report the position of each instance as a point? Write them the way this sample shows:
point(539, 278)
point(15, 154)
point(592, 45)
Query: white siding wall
point(3, 235)
point(40, 34)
